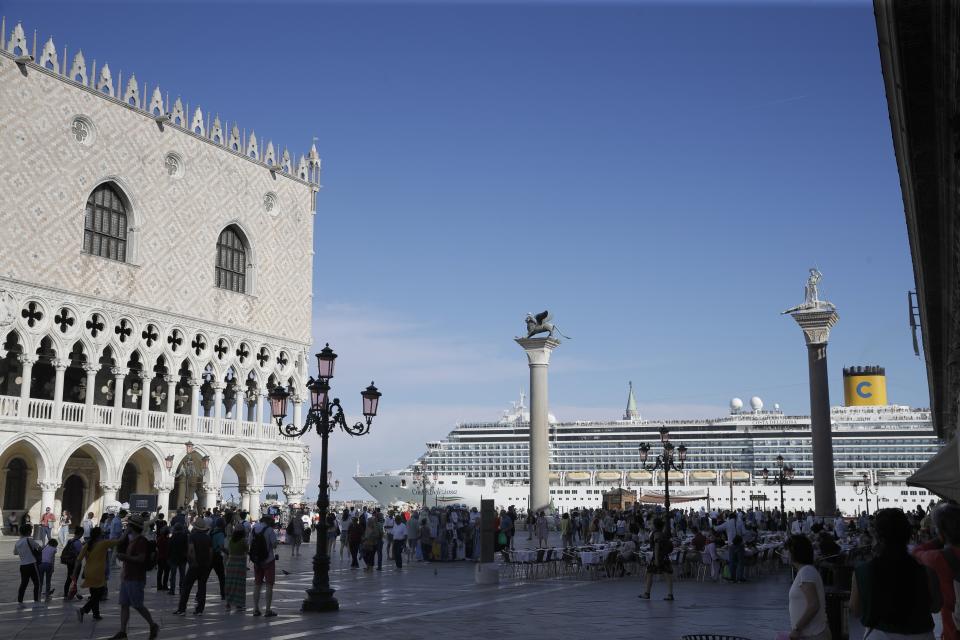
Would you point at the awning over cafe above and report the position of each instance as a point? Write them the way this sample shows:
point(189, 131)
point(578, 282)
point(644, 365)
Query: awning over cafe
point(941, 474)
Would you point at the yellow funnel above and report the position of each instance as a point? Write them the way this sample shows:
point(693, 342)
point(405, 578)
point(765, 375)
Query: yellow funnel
point(864, 386)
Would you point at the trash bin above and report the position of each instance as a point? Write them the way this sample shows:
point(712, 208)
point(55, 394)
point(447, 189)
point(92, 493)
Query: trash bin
point(838, 608)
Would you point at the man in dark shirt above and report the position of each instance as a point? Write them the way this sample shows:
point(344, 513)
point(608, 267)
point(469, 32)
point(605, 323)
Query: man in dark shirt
point(133, 577)
point(699, 541)
point(199, 561)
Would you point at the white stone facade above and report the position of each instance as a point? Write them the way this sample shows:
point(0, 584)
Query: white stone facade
point(110, 366)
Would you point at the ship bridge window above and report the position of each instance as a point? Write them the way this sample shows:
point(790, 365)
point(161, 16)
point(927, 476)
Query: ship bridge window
point(403, 483)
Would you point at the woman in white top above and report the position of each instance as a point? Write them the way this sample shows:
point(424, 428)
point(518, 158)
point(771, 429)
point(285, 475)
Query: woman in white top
point(808, 607)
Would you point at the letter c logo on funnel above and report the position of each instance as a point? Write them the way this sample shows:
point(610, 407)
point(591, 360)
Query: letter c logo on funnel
point(860, 389)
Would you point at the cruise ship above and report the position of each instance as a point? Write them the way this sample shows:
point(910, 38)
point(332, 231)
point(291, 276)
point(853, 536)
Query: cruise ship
point(875, 445)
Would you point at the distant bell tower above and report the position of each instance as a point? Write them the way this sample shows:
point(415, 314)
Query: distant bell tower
point(632, 413)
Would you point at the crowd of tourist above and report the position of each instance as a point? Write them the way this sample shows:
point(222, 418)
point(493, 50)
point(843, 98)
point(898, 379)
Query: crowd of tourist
point(900, 566)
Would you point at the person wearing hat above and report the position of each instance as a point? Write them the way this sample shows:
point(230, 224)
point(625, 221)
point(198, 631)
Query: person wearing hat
point(133, 577)
point(199, 563)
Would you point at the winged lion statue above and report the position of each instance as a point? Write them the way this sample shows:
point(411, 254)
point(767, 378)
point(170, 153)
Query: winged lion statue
point(540, 323)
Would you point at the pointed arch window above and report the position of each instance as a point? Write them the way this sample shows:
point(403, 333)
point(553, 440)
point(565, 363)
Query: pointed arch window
point(105, 224)
point(232, 260)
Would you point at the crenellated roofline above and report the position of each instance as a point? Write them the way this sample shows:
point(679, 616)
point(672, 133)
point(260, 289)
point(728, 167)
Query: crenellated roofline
point(231, 139)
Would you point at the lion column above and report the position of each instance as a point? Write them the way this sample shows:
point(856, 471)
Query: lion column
point(538, 354)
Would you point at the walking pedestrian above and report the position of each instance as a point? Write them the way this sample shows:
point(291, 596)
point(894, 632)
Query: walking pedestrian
point(263, 555)
point(163, 557)
point(199, 563)
point(399, 540)
point(93, 559)
point(355, 537)
point(47, 556)
point(177, 556)
point(236, 570)
point(662, 546)
point(295, 534)
point(28, 551)
point(218, 540)
point(541, 528)
point(133, 578)
point(87, 524)
point(68, 557)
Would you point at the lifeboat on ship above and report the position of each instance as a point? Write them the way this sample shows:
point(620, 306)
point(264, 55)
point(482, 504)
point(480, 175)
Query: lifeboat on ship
point(735, 476)
point(639, 476)
point(703, 476)
point(608, 476)
point(578, 476)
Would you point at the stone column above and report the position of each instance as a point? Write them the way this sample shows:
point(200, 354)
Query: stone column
point(261, 394)
point(26, 376)
point(816, 323)
point(48, 492)
point(109, 494)
point(217, 405)
point(297, 408)
point(92, 370)
point(253, 495)
point(60, 367)
point(538, 352)
point(210, 495)
point(119, 373)
point(244, 500)
point(195, 384)
point(163, 496)
point(171, 399)
point(293, 495)
point(145, 378)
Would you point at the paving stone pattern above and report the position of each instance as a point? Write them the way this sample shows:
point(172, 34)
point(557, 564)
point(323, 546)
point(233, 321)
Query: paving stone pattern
point(425, 600)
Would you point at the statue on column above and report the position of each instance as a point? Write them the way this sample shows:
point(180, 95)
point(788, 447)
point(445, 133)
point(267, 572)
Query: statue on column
point(811, 295)
point(540, 323)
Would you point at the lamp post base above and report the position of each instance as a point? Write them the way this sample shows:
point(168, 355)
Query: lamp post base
point(319, 601)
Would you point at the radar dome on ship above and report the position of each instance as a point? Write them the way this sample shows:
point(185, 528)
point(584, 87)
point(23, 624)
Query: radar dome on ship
point(756, 403)
point(736, 404)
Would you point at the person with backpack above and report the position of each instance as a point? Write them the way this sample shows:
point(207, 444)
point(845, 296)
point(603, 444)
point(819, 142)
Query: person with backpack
point(136, 558)
point(199, 563)
point(68, 557)
point(662, 547)
point(236, 570)
point(29, 554)
point(263, 545)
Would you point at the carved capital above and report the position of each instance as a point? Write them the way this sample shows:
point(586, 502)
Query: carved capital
point(538, 350)
point(196, 382)
point(119, 372)
point(254, 491)
point(48, 486)
point(60, 364)
point(210, 488)
point(218, 385)
point(145, 375)
point(163, 487)
point(170, 379)
point(110, 486)
point(27, 359)
point(816, 325)
point(91, 368)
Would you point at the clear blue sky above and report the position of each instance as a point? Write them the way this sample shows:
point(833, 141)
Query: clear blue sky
point(660, 176)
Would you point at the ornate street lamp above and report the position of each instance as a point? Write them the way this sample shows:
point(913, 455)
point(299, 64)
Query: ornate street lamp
point(867, 491)
point(324, 416)
point(672, 458)
point(784, 474)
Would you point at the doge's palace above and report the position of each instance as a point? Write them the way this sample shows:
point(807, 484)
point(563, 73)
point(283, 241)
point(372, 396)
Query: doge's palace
point(155, 278)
